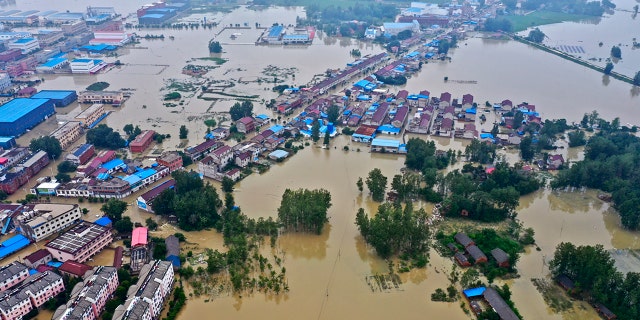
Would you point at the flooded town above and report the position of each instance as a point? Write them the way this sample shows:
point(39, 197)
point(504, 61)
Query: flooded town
point(281, 159)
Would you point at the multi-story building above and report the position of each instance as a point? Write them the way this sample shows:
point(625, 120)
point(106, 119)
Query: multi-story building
point(49, 37)
point(43, 220)
point(150, 292)
point(14, 155)
point(222, 156)
point(5, 81)
point(145, 200)
point(111, 97)
point(91, 114)
point(88, 301)
point(35, 163)
point(84, 65)
point(81, 154)
point(246, 125)
point(32, 293)
point(12, 274)
point(171, 160)
point(142, 141)
point(114, 188)
point(10, 55)
point(80, 243)
point(26, 45)
point(73, 28)
point(139, 249)
point(68, 133)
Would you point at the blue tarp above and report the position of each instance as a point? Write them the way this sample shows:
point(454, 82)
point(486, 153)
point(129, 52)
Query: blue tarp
point(6, 225)
point(388, 129)
point(104, 221)
point(474, 292)
point(32, 272)
point(113, 164)
point(364, 97)
point(103, 176)
point(276, 128)
point(13, 244)
point(471, 111)
point(175, 260)
point(54, 264)
point(145, 173)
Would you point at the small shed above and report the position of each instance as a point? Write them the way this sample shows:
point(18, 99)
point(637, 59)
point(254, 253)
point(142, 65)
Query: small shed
point(461, 259)
point(566, 283)
point(605, 312)
point(452, 247)
point(502, 258)
point(477, 254)
point(463, 239)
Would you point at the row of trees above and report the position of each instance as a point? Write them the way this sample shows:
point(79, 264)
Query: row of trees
point(593, 271)
point(103, 136)
point(241, 109)
point(397, 231)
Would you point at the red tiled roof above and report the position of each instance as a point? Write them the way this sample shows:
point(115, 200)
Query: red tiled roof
point(74, 268)
point(37, 255)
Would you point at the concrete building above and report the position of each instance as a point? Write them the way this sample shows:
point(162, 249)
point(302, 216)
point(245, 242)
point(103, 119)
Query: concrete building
point(146, 298)
point(80, 243)
point(37, 258)
point(142, 141)
point(171, 160)
point(91, 114)
point(21, 114)
point(42, 220)
point(10, 55)
point(114, 188)
point(246, 124)
point(87, 65)
point(73, 269)
point(145, 200)
point(14, 156)
point(12, 274)
point(67, 133)
point(111, 97)
point(49, 37)
point(393, 28)
point(60, 98)
point(90, 296)
point(222, 156)
point(139, 249)
point(73, 28)
point(32, 293)
point(25, 45)
point(387, 146)
point(81, 154)
point(5, 82)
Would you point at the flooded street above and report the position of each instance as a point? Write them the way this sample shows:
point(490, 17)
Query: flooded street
point(327, 273)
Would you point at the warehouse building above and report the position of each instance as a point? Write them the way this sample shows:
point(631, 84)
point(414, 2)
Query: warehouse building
point(19, 115)
point(60, 98)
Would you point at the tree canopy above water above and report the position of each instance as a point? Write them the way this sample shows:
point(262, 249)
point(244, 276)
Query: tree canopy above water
point(304, 210)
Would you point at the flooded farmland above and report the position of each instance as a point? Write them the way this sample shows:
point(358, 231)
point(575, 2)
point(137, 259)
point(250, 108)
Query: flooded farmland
point(327, 273)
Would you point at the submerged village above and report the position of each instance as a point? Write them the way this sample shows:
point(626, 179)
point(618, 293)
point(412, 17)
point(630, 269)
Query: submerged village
point(107, 219)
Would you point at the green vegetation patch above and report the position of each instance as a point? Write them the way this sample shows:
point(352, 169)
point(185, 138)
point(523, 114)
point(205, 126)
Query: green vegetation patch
point(217, 60)
point(539, 18)
point(172, 96)
point(98, 86)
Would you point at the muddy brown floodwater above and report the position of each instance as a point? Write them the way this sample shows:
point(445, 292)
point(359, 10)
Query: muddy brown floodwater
point(327, 273)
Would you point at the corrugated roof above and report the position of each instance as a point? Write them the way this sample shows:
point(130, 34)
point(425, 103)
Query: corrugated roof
point(139, 237)
point(385, 143)
point(17, 108)
point(53, 94)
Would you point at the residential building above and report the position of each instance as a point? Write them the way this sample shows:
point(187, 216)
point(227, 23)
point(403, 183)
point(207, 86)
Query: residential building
point(246, 124)
point(202, 149)
point(387, 146)
point(208, 168)
point(148, 295)
point(10, 55)
point(393, 28)
point(25, 45)
point(173, 250)
point(21, 114)
point(139, 249)
point(67, 133)
point(502, 258)
point(171, 160)
point(35, 163)
point(498, 304)
point(80, 243)
point(42, 220)
point(463, 239)
point(114, 188)
point(5, 82)
point(220, 133)
point(222, 156)
point(31, 294)
point(14, 156)
point(49, 37)
point(445, 99)
point(73, 28)
point(90, 296)
point(243, 159)
point(81, 154)
point(91, 114)
point(477, 254)
point(145, 200)
point(142, 141)
point(84, 65)
point(12, 274)
point(42, 256)
point(73, 269)
point(110, 97)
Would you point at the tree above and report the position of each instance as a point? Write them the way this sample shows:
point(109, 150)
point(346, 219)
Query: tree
point(360, 184)
point(304, 210)
point(124, 225)
point(377, 184)
point(63, 177)
point(616, 52)
point(536, 36)
point(163, 203)
point(526, 149)
point(333, 113)
point(443, 46)
point(128, 129)
point(404, 34)
point(326, 138)
point(114, 209)
point(608, 68)
point(241, 110)
point(48, 144)
point(103, 136)
point(577, 138)
point(66, 166)
point(151, 224)
point(227, 184)
point(315, 131)
point(183, 132)
point(636, 79)
point(215, 47)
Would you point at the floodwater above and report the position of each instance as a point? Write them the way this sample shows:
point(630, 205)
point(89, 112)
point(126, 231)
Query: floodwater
point(326, 273)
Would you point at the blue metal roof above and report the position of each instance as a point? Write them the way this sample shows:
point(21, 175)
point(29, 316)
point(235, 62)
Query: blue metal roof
point(110, 165)
point(17, 108)
point(24, 40)
point(275, 31)
point(276, 128)
point(132, 179)
point(471, 111)
point(388, 129)
point(13, 244)
point(5, 139)
point(53, 94)
point(81, 149)
point(82, 60)
point(146, 173)
point(175, 260)
point(385, 143)
point(262, 117)
point(295, 37)
point(152, 16)
point(55, 264)
point(279, 154)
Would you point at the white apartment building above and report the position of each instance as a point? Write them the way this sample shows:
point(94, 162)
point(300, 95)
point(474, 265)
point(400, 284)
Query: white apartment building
point(89, 299)
point(44, 220)
point(149, 294)
point(26, 45)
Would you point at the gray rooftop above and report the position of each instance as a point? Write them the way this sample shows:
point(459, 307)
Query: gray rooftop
point(78, 237)
point(10, 270)
point(34, 284)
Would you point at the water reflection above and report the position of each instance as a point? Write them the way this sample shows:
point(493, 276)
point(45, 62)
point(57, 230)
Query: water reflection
point(606, 79)
point(304, 245)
